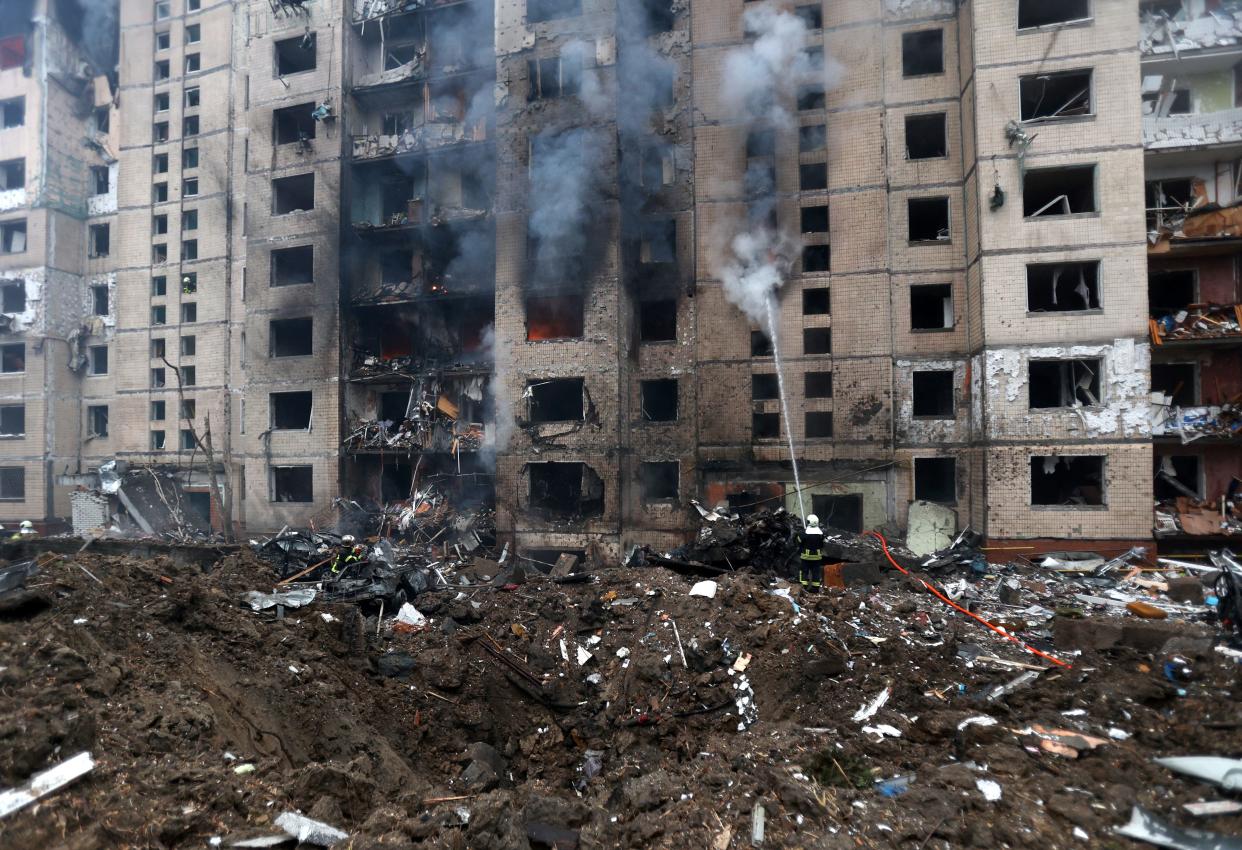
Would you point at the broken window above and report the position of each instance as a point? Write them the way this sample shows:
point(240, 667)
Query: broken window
point(157, 441)
point(659, 241)
point(811, 97)
point(1063, 287)
point(1042, 13)
point(293, 266)
point(765, 426)
point(13, 237)
point(1064, 383)
point(189, 313)
point(189, 346)
point(1076, 480)
point(290, 337)
point(928, 219)
point(189, 408)
point(188, 443)
point(818, 424)
point(813, 176)
point(157, 411)
point(656, 166)
point(760, 143)
point(158, 348)
point(189, 187)
point(659, 16)
point(293, 484)
point(935, 479)
point(192, 97)
point(189, 220)
point(163, 70)
point(189, 158)
point(933, 394)
point(659, 480)
point(12, 483)
point(97, 420)
point(764, 387)
point(97, 360)
point(557, 400)
point(13, 297)
point(99, 299)
point(816, 301)
point(817, 340)
point(189, 283)
point(295, 55)
point(397, 267)
point(100, 179)
point(922, 53)
point(161, 101)
point(812, 137)
point(1168, 201)
point(99, 240)
point(159, 131)
point(293, 194)
point(159, 285)
point(812, 16)
point(815, 219)
point(931, 306)
point(189, 249)
point(1058, 191)
point(839, 511)
point(1178, 381)
point(657, 321)
point(158, 378)
point(1061, 95)
point(12, 113)
point(159, 193)
point(13, 174)
point(565, 490)
point(393, 406)
point(554, 76)
point(546, 10)
point(193, 34)
point(659, 400)
point(290, 411)
point(554, 317)
point(760, 344)
point(816, 258)
point(817, 384)
point(1178, 475)
point(159, 253)
point(159, 225)
point(293, 124)
point(926, 137)
point(189, 376)
point(189, 125)
point(12, 420)
point(159, 314)
point(159, 163)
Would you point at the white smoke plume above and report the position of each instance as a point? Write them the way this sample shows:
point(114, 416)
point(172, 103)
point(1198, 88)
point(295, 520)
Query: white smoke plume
point(504, 423)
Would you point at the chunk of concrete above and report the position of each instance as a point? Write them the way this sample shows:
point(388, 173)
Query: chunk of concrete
point(1186, 589)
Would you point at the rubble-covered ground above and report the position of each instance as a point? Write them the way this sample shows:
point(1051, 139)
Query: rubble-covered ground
point(583, 725)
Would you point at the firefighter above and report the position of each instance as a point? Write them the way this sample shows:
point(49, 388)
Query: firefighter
point(811, 560)
point(347, 554)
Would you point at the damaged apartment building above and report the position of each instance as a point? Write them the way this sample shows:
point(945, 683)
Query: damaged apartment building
point(585, 261)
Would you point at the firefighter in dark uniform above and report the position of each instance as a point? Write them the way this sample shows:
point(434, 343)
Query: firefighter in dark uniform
point(348, 553)
point(811, 560)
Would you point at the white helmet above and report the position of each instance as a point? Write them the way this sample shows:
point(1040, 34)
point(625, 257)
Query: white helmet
point(27, 525)
point(348, 538)
point(812, 521)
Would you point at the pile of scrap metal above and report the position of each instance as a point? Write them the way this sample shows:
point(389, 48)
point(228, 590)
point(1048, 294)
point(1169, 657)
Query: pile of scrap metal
point(1197, 321)
point(1193, 423)
point(429, 517)
point(433, 428)
point(1199, 517)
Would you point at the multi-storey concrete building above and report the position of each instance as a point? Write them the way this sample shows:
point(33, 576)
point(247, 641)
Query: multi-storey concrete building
point(491, 250)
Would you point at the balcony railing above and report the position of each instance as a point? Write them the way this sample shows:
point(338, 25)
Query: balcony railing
point(416, 139)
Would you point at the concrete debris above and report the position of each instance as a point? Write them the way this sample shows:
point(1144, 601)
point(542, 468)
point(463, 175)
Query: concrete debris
point(309, 831)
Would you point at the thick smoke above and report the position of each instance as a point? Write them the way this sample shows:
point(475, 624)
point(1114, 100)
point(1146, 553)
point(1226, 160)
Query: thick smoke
point(564, 180)
point(93, 25)
point(503, 421)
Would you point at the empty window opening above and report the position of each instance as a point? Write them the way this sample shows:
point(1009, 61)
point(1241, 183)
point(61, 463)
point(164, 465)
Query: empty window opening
point(818, 424)
point(1178, 475)
point(811, 97)
point(159, 378)
point(813, 137)
point(13, 237)
point(293, 484)
point(659, 16)
point(760, 344)
point(1042, 13)
point(554, 76)
point(12, 420)
point(817, 301)
point(393, 406)
point(1062, 95)
point(844, 512)
point(159, 131)
point(565, 490)
point(100, 179)
point(189, 313)
point(157, 441)
point(293, 266)
point(764, 387)
point(657, 321)
point(659, 241)
point(97, 360)
point(13, 357)
point(815, 219)
point(13, 174)
point(159, 225)
point(554, 317)
point(557, 400)
point(163, 70)
point(295, 55)
point(189, 158)
point(192, 98)
point(291, 337)
point(159, 285)
point(158, 409)
point(189, 376)
point(97, 420)
point(291, 411)
point(812, 16)
point(922, 53)
point(193, 63)
point(12, 113)
point(397, 267)
point(657, 166)
point(1169, 292)
point(659, 480)
point(159, 193)
point(293, 194)
point(765, 426)
point(189, 220)
point(816, 258)
point(933, 394)
point(161, 102)
point(1178, 381)
point(546, 10)
point(294, 124)
point(13, 297)
point(813, 176)
point(760, 143)
point(928, 219)
point(935, 479)
point(189, 346)
point(159, 314)
point(1064, 383)
point(99, 299)
point(817, 340)
point(99, 240)
point(12, 483)
point(1058, 191)
point(1062, 287)
point(159, 348)
point(188, 443)
point(1064, 480)
point(926, 137)
point(189, 409)
point(659, 400)
point(1168, 201)
point(931, 306)
point(817, 384)
point(189, 187)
